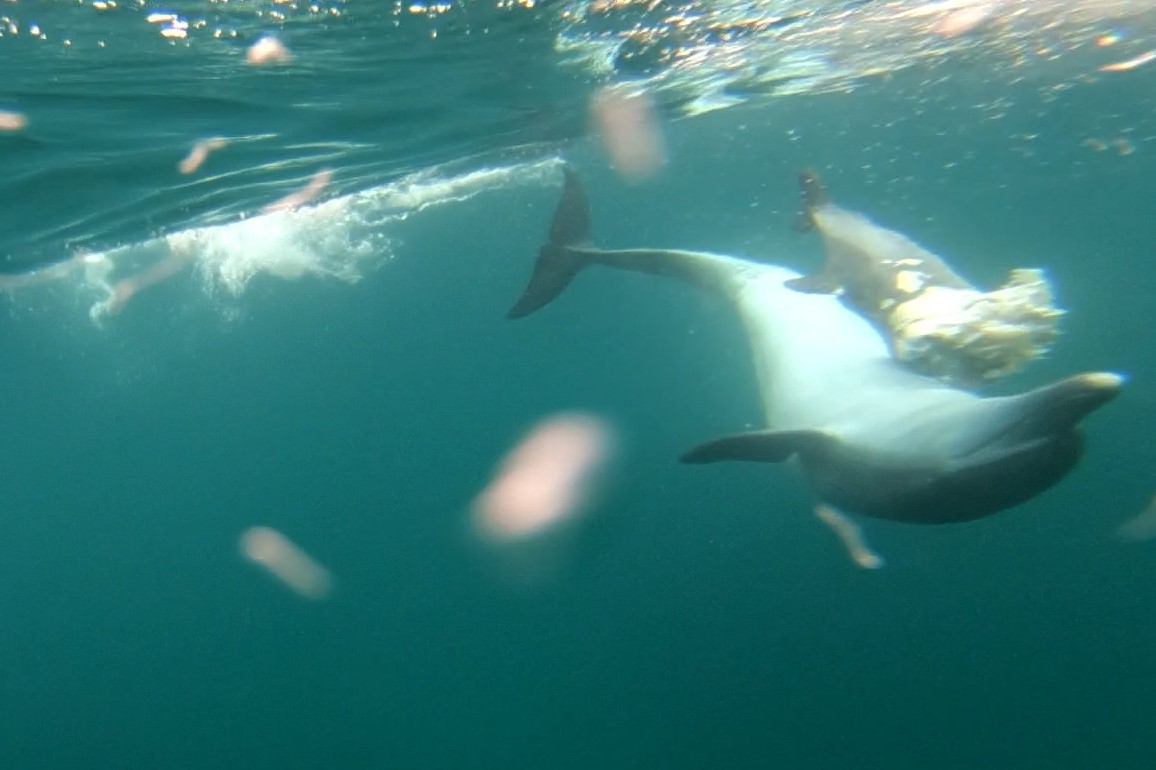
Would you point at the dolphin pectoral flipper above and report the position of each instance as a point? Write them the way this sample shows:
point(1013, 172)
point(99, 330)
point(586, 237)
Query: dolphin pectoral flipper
point(816, 283)
point(762, 446)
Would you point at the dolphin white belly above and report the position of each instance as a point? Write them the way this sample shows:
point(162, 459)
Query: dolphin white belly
point(806, 349)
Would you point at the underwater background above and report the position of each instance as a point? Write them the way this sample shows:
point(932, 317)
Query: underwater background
point(343, 373)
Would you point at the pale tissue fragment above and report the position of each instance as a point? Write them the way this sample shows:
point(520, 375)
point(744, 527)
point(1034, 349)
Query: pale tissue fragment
point(1141, 527)
point(545, 479)
point(963, 20)
point(199, 153)
point(851, 535)
point(12, 121)
point(302, 196)
point(54, 272)
point(267, 50)
point(284, 560)
point(628, 124)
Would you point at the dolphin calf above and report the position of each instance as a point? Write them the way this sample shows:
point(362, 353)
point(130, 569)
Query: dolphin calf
point(933, 320)
point(871, 435)
point(873, 269)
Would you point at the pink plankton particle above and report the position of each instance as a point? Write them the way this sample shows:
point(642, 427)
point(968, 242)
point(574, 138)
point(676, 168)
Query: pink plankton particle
point(545, 479)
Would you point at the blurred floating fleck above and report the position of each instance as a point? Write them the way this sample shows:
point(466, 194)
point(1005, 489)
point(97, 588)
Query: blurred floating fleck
point(267, 50)
point(546, 479)
point(1130, 64)
point(1122, 146)
point(284, 560)
point(12, 121)
point(1141, 527)
point(199, 153)
point(627, 121)
point(852, 536)
point(127, 288)
point(307, 193)
point(175, 27)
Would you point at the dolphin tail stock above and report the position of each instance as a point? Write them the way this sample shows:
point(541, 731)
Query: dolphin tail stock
point(558, 262)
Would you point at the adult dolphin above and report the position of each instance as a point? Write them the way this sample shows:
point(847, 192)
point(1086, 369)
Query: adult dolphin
point(872, 436)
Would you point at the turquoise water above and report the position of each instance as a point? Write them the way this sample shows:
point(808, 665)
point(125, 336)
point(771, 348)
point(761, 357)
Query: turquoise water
point(345, 374)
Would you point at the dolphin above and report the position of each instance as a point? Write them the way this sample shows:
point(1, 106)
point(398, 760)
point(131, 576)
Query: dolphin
point(871, 435)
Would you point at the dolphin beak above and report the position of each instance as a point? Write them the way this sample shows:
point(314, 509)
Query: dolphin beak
point(1064, 404)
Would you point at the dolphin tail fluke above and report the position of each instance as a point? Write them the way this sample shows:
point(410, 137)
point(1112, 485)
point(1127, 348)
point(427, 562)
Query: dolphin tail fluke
point(568, 251)
point(555, 268)
point(571, 223)
point(557, 262)
point(813, 195)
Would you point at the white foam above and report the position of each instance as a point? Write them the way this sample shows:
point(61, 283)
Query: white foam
point(338, 239)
